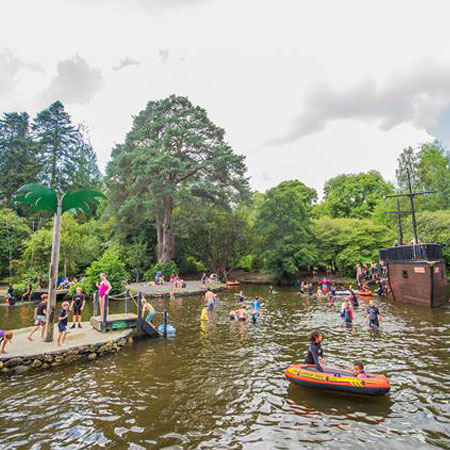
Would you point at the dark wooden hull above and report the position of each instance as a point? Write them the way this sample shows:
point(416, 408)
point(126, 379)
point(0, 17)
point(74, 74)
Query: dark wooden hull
point(420, 283)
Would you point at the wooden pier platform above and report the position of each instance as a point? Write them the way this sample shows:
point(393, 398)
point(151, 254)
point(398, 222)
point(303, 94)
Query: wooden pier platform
point(192, 288)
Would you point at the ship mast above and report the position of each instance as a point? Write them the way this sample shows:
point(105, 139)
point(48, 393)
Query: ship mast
point(411, 195)
point(399, 219)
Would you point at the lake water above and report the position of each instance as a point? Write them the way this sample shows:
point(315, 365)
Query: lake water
point(221, 385)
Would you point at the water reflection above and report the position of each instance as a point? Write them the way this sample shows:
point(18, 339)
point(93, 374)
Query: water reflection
point(220, 384)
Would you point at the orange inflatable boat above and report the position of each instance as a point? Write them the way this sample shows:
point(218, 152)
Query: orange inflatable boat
point(338, 380)
point(364, 293)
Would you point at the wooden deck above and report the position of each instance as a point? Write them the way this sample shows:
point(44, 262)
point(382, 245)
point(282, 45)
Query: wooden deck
point(192, 288)
point(115, 322)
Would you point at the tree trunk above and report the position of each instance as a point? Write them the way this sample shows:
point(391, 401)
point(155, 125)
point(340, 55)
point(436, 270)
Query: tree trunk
point(53, 276)
point(166, 240)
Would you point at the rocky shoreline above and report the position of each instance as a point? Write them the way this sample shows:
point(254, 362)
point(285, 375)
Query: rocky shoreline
point(89, 352)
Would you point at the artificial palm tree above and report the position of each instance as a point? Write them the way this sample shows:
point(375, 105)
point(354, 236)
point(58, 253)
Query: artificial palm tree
point(42, 198)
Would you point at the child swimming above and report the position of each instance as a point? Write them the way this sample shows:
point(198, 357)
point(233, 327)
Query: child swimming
point(242, 314)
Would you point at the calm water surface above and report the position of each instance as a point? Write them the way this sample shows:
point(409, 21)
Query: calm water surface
point(221, 385)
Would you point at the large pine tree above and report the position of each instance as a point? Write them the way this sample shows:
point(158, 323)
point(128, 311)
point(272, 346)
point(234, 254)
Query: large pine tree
point(19, 162)
point(172, 152)
point(67, 157)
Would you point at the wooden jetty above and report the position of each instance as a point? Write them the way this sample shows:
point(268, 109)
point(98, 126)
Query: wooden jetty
point(101, 336)
point(416, 273)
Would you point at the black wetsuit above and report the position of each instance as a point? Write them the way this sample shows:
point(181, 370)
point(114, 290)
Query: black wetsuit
point(373, 316)
point(314, 352)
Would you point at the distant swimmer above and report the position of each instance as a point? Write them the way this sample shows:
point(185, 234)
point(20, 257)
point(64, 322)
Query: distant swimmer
point(242, 314)
point(240, 296)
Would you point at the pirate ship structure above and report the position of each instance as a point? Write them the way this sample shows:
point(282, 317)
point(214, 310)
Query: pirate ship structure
point(416, 272)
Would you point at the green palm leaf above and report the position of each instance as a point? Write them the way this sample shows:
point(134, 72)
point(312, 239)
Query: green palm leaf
point(80, 200)
point(39, 197)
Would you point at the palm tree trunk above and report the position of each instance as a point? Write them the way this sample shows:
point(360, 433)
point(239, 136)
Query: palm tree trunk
point(53, 276)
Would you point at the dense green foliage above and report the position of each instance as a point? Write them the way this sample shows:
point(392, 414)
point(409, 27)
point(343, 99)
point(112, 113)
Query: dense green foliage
point(354, 195)
point(285, 240)
point(179, 195)
point(14, 230)
point(19, 161)
point(112, 264)
point(173, 152)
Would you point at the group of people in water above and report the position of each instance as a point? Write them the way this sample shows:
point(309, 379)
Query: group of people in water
point(242, 313)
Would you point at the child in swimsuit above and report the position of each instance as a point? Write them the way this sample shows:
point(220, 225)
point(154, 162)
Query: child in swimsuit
point(204, 316)
point(358, 370)
point(5, 337)
point(62, 323)
point(346, 313)
point(242, 314)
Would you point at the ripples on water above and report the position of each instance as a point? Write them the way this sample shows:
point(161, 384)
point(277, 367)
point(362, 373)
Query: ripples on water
point(221, 385)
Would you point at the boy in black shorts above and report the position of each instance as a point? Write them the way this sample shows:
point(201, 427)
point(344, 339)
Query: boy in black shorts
point(77, 306)
point(62, 323)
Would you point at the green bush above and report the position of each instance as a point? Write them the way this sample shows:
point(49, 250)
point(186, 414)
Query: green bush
point(192, 265)
point(246, 263)
point(20, 288)
point(86, 287)
point(112, 265)
point(166, 269)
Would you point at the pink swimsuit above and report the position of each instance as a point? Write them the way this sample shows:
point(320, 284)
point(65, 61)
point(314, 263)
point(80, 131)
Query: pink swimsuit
point(102, 289)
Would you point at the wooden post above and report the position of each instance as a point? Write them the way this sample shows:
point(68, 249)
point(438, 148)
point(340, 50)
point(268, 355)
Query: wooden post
point(95, 312)
point(105, 312)
point(53, 274)
point(127, 297)
point(165, 320)
point(139, 316)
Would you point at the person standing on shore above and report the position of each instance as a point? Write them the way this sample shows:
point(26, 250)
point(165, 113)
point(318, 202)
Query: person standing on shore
point(62, 323)
point(104, 287)
point(40, 317)
point(77, 306)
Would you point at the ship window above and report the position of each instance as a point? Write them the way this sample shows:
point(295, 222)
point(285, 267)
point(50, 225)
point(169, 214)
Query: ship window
point(405, 273)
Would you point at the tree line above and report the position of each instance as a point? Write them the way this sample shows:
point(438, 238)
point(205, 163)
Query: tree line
point(179, 199)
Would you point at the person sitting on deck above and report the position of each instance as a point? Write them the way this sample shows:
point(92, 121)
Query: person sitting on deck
point(358, 370)
point(159, 279)
point(65, 284)
point(5, 337)
point(311, 289)
point(213, 277)
point(173, 278)
point(26, 295)
point(315, 352)
point(148, 312)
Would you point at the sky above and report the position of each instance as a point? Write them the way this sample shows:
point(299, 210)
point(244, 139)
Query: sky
point(304, 89)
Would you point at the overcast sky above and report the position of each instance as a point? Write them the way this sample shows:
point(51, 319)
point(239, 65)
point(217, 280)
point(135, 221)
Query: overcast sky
point(304, 89)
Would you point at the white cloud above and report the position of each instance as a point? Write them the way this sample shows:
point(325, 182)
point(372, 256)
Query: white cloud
point(126, 62)
point(76, 82)
point(418, 96)
point(10, 67)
